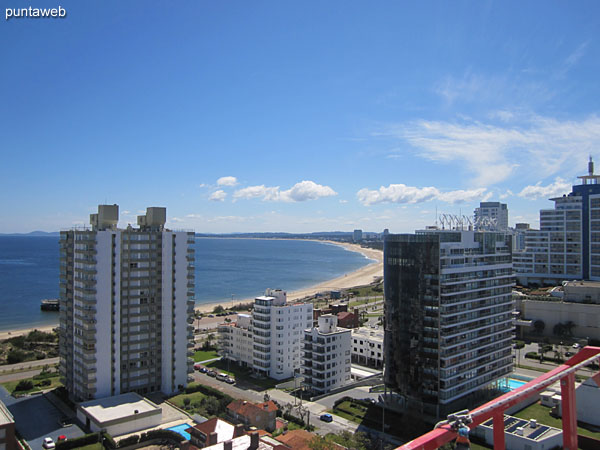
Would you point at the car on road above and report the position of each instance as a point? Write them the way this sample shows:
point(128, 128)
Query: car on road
point(230, 380)
point(203, 369)
point(197, 366)
point(222, 376)
point(48, 443)
point(326, 417)
point(211, 373)
point(576, 345)
point(568, 354)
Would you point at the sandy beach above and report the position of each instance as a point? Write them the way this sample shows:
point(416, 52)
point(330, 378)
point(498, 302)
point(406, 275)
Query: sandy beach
point(360, 277)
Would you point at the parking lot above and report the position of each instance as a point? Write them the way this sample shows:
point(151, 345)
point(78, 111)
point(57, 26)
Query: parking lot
point(36, 418)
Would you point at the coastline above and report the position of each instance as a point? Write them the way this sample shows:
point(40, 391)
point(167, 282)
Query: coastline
point(359, 277)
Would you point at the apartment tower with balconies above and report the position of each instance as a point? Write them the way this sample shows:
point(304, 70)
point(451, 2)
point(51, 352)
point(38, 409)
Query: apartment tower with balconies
point(448, 316)
point(126, 306)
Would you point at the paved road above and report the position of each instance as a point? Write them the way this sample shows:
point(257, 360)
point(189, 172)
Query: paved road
point(28, 365)
point(315, 408)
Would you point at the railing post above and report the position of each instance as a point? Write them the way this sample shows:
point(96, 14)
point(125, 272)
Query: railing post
point(569, 411)
point(499, 443)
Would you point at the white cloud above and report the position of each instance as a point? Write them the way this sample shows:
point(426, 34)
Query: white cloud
point(300, 192)
point(227, 181)
point(218, 196)
point(543, 146)
point(400, 193)
point(556, 189)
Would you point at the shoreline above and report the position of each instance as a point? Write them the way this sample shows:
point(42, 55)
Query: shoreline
point(360, 277)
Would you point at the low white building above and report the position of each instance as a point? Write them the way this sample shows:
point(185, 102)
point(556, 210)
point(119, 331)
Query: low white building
point(120, 414)
point(587, 402)
point(521, 434)
point(269, 340)
point(367, 347)
point(326, 360)
point(236, 340)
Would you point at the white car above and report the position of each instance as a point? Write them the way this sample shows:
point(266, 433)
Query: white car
point(576, 345)
point(48, 443)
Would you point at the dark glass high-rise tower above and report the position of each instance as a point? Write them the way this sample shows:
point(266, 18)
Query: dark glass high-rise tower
point(448, 322)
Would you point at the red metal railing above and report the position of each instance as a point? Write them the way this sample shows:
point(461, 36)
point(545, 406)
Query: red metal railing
point(564, 373)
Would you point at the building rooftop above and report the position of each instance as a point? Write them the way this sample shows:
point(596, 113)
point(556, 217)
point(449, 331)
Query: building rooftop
point(118, 407)
point(224, 430)
point(514, 425)
point(368, 333)
point(245, 408)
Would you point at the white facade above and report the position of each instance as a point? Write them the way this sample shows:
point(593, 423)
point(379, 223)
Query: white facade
point(270, 340)
point(236, 340)
point(126, 306)
point(491, 213)
point(327, 353)
point(367, 347)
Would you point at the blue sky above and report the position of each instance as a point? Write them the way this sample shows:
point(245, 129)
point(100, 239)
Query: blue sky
point(295, 116)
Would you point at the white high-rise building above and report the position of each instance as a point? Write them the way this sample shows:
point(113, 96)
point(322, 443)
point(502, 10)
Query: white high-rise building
point(275, 332)
point(491, 215)
point(567, 245)
point(327, 353)
point(126, 306)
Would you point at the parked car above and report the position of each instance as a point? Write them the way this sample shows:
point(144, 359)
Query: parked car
point(203, 369)
point(197, 366)
point(230, 380)
point(576, 345)
point(211, 373)
point(568, 354)
point(48, 443)
point(222, 376)
point(326, 417)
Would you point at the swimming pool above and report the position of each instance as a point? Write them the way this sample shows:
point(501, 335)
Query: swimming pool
point(514, 384)
point(181, 430)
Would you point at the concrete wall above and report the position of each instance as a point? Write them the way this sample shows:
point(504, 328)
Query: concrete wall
point(586, 317)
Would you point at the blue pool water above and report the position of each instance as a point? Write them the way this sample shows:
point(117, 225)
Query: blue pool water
point(181, 430)
point(514, 384)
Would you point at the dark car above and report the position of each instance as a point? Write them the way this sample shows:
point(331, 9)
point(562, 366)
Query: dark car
point(211, 373)
point(326, 417)
point(203, 369)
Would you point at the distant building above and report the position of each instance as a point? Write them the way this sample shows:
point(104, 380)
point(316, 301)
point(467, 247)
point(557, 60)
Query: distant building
point(357, 236)
point(273, 334)
point(326, 360)
point(126, 306)
point(587, 401)
point(348, 319)
point(567, 245)
point(367, 347)
point(519, 236)
point(448, 316)
point(261, 415)
point(8, 440)
point(491, 215)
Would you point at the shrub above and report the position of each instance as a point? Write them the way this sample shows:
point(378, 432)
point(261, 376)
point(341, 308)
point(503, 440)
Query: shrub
point(129, 440)
point(532, 355)
point(15, 356)
point(108, 441)
point(78, 442)
point(24, 385)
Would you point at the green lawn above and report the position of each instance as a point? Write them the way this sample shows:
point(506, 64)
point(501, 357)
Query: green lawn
point(96, 446)
point(11, 385)
point(178, 400)
point(542, 415)
point(202, 355)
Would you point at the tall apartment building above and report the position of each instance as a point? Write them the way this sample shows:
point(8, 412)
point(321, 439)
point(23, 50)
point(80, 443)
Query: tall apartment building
point(126, 306)
point(492, 213)
point(448, 322)
point(327, 354)
point(275, 331)
point(567, 245)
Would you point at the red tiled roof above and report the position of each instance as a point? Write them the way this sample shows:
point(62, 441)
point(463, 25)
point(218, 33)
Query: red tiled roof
point(244, 408)
point(299, 439)
point(344, 314)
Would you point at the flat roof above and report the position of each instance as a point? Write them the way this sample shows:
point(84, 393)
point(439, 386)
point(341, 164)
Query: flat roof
point(119, 407)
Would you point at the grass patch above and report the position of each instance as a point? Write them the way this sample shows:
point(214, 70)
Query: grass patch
point(37, 384)
point(542, 415)
point(96, 446)
point(179, 400)
point(202, 355)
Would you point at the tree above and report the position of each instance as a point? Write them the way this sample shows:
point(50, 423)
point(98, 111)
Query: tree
point(539, 326)
point(218, 309)
point(24, 385)
point(569, 325)
point(15, 356)
point(186, 402)
point(320, 443)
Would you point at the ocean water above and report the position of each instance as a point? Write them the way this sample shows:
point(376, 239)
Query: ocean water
point(244, 268)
